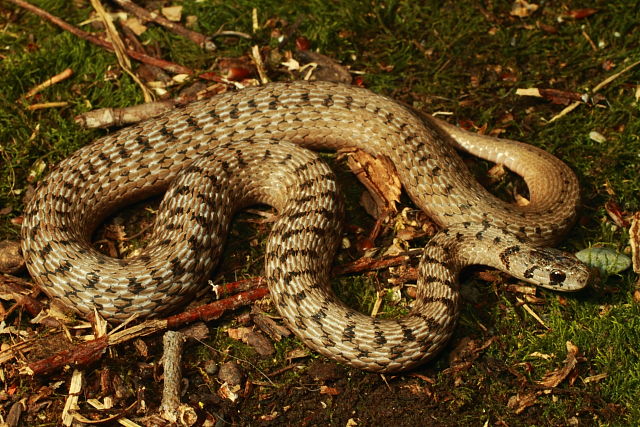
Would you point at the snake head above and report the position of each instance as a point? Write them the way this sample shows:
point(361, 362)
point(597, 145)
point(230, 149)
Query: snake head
point(553, 269)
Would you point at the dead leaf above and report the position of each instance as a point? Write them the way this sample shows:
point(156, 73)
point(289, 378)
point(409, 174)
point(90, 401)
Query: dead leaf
point(379, 176)
point(553, 379)
point(419, 390)
point(258, 341)
point(229, 392)
point(198, 331)
point(522, 9)
point(141, 347)
point(409, 233)
point(303, 43)
point(331, 391)
point(548, 28)
point(608, 65)
point(560, 97)
point(488, 276)
point(581, 13)
point(237, 69)
point(634, 241)
point(616, 214)
point(556, 96)
point(269, 417)
point(520, 402)
point(269, 326)
point(544, 356)
point(466, 352)
point(496, 173)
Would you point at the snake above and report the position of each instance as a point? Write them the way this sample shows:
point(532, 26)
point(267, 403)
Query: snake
point(216, 156)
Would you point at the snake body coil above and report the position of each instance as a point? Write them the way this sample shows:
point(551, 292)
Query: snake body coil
point(221, 154)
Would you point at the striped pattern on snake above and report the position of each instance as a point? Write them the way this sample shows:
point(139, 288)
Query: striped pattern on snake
point(231, 131)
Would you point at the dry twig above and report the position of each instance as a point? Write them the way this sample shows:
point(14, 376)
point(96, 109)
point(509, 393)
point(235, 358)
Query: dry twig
point(142, 13)
point(165, 65)
point(368, 264)
point(50, 82)
point(599, 86)
point(42, 106)
point(19, 290)
point(105, 117)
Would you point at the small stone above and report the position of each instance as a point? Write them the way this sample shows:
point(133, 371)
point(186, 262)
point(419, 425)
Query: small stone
point(11, 260)
point(325, 371)
point(597, 136)
point(230, 373)
point(211, 367)
point(260, 343)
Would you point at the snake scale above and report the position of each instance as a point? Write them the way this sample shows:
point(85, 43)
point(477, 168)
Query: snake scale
point(218, 155)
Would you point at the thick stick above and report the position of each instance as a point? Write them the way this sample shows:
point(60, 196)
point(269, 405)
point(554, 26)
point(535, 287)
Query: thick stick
point(173, 342)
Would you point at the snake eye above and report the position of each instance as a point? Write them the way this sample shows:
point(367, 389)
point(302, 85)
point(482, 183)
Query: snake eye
point(557, 276)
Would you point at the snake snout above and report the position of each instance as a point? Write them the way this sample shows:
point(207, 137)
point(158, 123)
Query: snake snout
point(554, 269)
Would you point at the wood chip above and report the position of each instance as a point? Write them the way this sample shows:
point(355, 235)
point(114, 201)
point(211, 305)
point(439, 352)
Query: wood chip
point(135, 25)
point(634, 241)
point(172, 13)
point(116, 417)
point(71, 404)
point(257, 60)
point(379, 176)
point(523, 9)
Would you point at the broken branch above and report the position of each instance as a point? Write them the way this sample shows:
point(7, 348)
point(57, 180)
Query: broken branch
point(91, 351)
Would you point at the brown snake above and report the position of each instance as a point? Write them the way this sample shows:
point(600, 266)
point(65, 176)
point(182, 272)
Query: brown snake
point(224, 153)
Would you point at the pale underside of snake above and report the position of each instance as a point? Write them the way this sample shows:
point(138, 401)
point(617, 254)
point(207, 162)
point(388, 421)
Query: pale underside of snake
point(222, 154)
